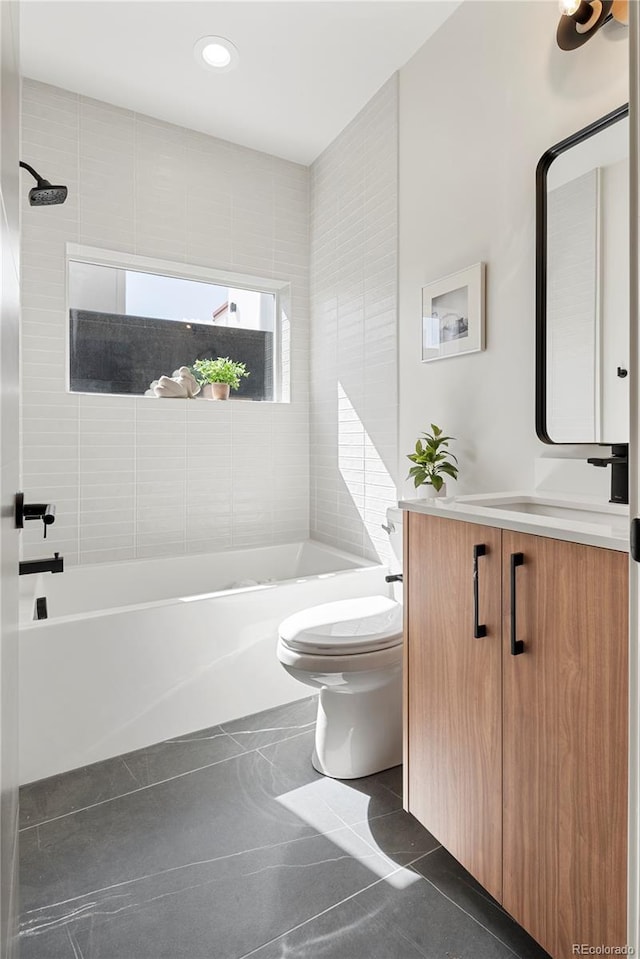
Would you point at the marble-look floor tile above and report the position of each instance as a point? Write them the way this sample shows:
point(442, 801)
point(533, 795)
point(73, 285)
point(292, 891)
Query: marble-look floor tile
point(59, 795)
point(221, 810)
point(397, 835)
point(180, 755)
point(353, 800)
point(346, 932)
point(227, 844)
point(274, 725)
point(57, 943)
point(417, 914)
point(39, 875)
point(452, 880)
point(221, 908)
point(410, 919)
point(392, 779)
point(79, 788)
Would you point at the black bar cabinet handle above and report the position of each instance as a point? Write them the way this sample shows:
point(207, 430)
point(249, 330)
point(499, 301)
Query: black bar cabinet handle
point(479, 630)
point(517, 645)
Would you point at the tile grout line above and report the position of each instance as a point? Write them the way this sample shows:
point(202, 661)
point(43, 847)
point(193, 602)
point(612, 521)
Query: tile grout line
point(277, 742)
point(396, 852)
point(464, 911)
point(161, 782)
point(172, 869)
point(132, 792)
point(323, 912)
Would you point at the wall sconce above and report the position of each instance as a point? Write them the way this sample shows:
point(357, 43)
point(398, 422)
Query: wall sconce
point(581, 19)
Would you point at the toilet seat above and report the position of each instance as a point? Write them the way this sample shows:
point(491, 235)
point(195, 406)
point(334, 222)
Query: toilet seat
point(344, 628)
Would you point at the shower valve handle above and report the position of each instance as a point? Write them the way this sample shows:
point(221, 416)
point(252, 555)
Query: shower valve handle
point(28, 511)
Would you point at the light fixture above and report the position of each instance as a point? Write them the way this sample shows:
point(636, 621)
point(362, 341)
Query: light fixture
point(581, 19)
point(216, 53)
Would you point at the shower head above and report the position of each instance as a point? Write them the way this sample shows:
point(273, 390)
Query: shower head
point(44, 194)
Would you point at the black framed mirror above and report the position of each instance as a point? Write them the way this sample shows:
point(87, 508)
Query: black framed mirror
point(582, 285)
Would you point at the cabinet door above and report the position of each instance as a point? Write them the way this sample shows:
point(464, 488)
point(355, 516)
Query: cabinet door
point(453, 690)
point(565, 743)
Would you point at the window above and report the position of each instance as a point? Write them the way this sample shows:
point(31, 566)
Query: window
point(131, 320)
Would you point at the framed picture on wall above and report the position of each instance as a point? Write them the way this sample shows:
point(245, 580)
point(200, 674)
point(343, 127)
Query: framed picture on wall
point(453, 314)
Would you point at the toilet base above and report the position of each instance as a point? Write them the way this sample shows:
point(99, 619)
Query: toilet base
point(359, 733)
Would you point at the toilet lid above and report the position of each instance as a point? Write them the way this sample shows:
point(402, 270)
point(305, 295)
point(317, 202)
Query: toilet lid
point(348, 626)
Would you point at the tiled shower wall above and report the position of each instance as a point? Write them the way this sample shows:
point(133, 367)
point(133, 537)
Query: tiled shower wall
point(134, 477)
point(354, 382)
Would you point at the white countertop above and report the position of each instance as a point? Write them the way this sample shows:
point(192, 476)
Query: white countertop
point(593, 524)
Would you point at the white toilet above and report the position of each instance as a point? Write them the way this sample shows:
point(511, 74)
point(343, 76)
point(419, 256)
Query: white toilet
point(351, 651)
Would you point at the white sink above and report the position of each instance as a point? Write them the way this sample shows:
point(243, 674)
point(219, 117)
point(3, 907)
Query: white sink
point(601, 514)
point(556, 515)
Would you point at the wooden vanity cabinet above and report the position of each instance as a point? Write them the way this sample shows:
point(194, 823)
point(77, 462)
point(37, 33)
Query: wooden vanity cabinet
point(518, 763)
point(565, 743)
point(454, 714)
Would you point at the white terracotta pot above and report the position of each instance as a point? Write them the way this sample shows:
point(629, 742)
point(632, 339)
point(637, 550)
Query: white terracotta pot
point(216, 391)
point(427, 491)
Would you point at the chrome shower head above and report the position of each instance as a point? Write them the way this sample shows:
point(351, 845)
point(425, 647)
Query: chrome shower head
point(44, 193)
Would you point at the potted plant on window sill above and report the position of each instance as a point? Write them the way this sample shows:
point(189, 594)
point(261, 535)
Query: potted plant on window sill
point(432, 462)
point(218, 377)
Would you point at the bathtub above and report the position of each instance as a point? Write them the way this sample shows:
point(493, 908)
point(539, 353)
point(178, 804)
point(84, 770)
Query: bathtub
point(133, 653)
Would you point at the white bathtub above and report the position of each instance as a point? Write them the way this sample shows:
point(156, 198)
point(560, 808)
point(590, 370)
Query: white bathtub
point(135, 653)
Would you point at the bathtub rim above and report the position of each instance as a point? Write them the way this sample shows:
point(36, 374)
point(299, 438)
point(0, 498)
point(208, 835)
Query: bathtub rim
point(359, 562)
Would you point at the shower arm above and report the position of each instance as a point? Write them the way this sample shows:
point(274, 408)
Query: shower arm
point(36, 176)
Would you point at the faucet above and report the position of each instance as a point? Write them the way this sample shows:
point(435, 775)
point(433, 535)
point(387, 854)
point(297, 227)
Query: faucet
point(619, 462)
point(54, 565)
point(27, 511)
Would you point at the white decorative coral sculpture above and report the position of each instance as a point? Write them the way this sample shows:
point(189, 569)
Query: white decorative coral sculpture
point(182, 385)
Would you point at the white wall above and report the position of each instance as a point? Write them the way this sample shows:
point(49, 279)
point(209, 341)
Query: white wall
point(479, 104)
point(354, 186)
point(136, 477)
point(9, 471)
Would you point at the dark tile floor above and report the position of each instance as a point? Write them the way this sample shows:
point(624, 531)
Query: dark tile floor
point(227, 844)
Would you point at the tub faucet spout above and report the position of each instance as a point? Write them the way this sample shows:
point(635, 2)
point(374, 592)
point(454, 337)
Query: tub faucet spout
point(54, 565)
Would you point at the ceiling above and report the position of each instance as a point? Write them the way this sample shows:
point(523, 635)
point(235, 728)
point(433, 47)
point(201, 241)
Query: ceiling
point(306, 66)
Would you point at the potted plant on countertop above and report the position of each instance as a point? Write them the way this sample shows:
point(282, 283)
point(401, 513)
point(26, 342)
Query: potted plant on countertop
point(217, 377)
point(432, 461)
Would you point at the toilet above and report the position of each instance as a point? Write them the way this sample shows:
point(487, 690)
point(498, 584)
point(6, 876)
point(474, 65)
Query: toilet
point(351, 650)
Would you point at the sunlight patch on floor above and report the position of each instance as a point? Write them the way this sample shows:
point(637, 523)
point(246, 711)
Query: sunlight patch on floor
point(312, 803)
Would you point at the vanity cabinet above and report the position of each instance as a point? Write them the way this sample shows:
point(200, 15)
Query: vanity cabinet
point(453, 701)
point(516, 741)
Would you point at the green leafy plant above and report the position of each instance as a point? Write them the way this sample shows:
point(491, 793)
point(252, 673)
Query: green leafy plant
point(431, 459)
point(220, 370)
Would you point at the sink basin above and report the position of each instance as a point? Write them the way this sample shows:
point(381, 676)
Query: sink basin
point(601, 514)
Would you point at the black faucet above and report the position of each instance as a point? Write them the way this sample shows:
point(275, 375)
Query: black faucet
point(26, 511)
point(54, 565)
point(619, 462)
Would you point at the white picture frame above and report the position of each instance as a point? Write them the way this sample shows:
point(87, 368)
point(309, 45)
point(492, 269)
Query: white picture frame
point(453, 321)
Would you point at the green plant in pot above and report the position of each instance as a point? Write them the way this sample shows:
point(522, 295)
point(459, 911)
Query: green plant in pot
point(432, 463)
point(218, 377)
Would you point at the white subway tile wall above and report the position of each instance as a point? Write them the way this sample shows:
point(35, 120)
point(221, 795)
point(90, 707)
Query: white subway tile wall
point(137, 477)
point(354, 380)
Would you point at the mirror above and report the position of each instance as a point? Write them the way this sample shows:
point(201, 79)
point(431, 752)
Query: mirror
point(582, 286)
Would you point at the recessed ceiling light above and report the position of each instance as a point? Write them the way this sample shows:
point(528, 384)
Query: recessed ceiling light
point(216, 53)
